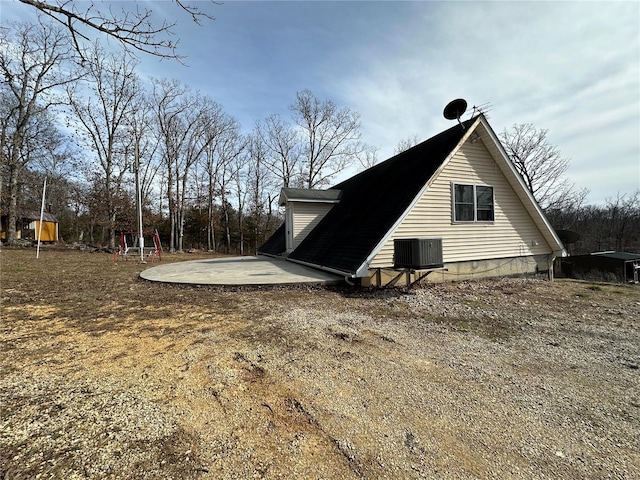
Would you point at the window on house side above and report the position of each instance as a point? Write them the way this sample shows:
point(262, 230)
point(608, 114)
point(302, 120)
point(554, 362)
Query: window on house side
point(472, 203)
point(484, 203)
point(464, 204)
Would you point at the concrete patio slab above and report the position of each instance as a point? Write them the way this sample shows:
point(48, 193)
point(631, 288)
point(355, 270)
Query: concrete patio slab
point(238, 271)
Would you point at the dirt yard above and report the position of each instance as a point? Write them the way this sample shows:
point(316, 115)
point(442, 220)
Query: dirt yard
point(108, 376)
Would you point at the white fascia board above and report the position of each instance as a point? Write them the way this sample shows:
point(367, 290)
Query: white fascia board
point(310, 200)
point(363, 269)
point(284, 202)
point(558, 248)
point(284, 199)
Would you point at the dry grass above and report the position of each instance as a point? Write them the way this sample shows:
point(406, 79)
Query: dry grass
point(107, 375)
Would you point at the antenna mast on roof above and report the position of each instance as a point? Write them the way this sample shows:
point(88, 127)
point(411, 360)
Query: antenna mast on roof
point(455, 109)
point(483, 109)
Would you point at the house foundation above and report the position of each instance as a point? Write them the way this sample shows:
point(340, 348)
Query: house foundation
point(457, 271)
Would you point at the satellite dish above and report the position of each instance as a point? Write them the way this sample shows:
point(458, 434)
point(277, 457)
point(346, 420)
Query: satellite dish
point(455, 109)
point(568, 236)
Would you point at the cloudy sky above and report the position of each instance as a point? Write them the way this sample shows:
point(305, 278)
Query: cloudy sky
point(572, 68)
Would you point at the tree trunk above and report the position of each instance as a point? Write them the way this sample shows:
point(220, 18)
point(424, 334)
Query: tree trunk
point(227, 227)
point(180, 225)
point(240, 228)
point(13, 204)
point(211, 232)
point(172, 227)
point(172, 212)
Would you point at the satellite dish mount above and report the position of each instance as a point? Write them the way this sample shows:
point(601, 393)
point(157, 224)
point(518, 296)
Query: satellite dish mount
point(455, 109)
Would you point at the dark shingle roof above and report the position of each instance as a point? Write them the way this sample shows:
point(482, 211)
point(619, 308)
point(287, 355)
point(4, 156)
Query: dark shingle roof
point(626, 256)
point(33, 215)
point(275, 244)
point(372, 202)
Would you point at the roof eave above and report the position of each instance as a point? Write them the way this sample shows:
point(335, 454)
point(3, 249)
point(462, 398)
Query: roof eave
point(307, 200)
point(550, 235)
point(285, 197)
point(322, 267)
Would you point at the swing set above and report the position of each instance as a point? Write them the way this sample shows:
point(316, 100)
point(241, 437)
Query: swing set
point(130, 246)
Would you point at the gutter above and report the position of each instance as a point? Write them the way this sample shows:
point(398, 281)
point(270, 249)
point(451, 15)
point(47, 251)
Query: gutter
point(346, 275)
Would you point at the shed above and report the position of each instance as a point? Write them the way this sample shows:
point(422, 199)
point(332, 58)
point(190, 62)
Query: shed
point(28, 226)
point(49, 226)
point(624, 266)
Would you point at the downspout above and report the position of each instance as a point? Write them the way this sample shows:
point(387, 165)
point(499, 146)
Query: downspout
point(552, 262)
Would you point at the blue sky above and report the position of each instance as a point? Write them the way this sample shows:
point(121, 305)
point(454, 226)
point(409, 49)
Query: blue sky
point(570, 67)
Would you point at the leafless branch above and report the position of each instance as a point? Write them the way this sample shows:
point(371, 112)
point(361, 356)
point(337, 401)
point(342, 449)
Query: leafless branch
point(332, 137)
point(540, 164)
point(134, 29)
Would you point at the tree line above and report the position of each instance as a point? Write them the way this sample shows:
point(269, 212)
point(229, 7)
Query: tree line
point(91, 125)
point(612, 226)
point(83, 118)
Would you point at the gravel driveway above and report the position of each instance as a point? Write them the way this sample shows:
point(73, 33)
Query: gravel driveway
point(508, 378)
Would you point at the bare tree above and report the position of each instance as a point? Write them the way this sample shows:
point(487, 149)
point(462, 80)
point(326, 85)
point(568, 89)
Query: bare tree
point(47, 153)
point(263, 188)
point(281, 145)
point(230, 152)
point(52, 150)
point(35, 60)
point(368, 157)
point(188, 124)
point(103, 114)
point(406, 144)
point(135, 28)
point(541, 166)
point(144, 144)
point(331, 138)
point(615, 225)
point(241, 191)
point(225, 130)
point(208, 121)
point(51, 155)
point(623, 216)
point(168, 111)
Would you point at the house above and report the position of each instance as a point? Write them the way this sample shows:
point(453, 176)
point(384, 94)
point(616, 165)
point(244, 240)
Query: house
point(452, 207)
point(28, 226)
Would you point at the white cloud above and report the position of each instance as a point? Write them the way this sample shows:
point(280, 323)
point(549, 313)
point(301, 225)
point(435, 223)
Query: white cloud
point(567, 67)
point(570, 67)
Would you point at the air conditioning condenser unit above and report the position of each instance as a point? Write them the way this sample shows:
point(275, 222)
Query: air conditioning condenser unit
point(417, 253)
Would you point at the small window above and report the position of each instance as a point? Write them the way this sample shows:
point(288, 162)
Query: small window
point(472, 203)
point(464, 203)
point(484, 203)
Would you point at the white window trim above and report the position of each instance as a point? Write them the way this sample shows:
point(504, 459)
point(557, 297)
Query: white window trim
point(475, 205)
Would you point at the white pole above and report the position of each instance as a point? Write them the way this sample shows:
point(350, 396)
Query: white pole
point(139, 200)
point(44, 190)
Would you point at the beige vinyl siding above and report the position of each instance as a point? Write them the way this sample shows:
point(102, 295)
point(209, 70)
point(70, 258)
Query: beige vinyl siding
point(306, 215)
point(512, 234)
